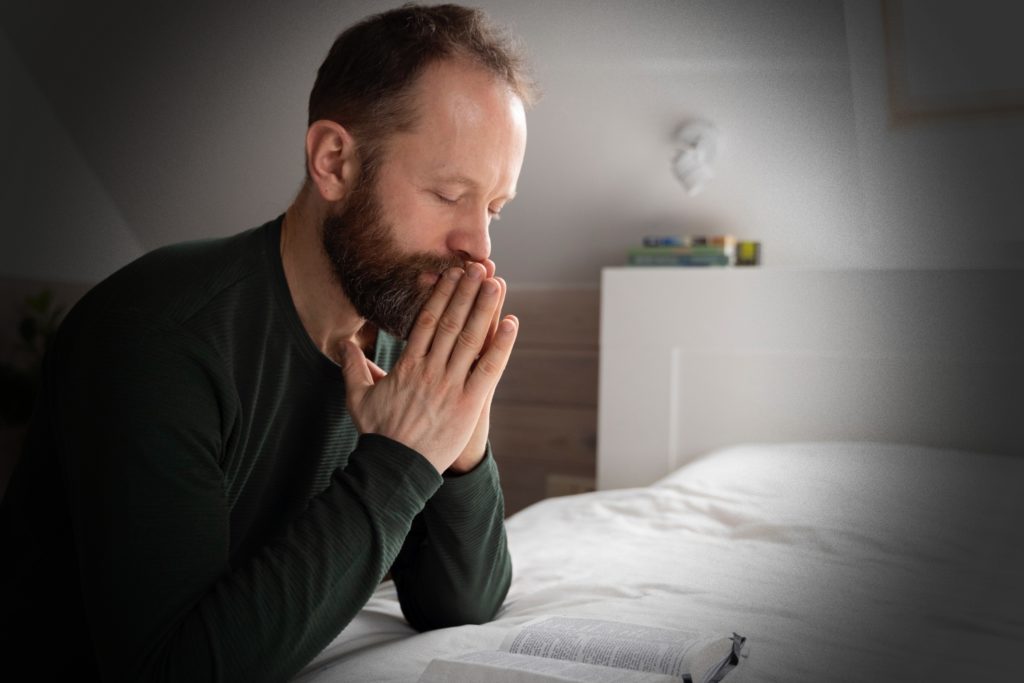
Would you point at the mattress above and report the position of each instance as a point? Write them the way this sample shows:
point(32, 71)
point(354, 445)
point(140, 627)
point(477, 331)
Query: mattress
point(838, 561)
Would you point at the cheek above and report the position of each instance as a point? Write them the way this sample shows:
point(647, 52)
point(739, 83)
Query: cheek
point(418, 221)
point(420, 226)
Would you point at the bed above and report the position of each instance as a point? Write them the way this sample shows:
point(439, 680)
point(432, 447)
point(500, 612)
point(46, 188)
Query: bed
point(845, 539)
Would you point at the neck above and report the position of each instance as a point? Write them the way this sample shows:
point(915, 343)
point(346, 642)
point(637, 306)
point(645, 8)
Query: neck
point(326, 313)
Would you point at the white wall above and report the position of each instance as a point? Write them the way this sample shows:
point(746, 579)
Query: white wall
point(138, 127)
point(773, 77)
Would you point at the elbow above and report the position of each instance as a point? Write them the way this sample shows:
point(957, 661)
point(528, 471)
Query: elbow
point(482, 609)
point(475, 605)
point(470, 612)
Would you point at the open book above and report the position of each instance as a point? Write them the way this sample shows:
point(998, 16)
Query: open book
point(558, 649)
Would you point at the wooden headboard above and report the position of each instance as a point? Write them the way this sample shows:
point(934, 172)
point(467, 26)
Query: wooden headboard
point(693, 359)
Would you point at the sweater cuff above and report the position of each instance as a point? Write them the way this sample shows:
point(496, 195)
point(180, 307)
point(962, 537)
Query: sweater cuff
point(477, 488)
point(398, 463)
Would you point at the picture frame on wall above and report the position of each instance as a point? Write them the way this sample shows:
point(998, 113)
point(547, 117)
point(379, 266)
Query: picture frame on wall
point(953, 59)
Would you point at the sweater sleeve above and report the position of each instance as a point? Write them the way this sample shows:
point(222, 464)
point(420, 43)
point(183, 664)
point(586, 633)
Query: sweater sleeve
point(141, 430)
point(454, 567)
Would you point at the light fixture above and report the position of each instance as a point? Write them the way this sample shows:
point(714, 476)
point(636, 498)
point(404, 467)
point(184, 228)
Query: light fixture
point(696, 144)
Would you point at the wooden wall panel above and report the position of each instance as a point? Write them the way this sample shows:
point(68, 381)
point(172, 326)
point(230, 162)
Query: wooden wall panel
point(542, 451)
point(556, 317)
point(544, 418)
point(558, 377)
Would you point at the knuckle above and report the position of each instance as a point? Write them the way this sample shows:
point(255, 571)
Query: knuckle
point(449, 325)
point(404, 365)
point(469, 339)
point(488, 367)
point(427, 319)
point(428, 376)
point(435, 388)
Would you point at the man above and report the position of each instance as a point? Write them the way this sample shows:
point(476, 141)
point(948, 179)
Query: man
point(234, 445)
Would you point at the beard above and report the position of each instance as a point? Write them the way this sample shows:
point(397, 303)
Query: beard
point(383, 282)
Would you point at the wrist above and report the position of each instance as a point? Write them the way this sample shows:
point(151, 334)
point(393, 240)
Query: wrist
point(466, 463)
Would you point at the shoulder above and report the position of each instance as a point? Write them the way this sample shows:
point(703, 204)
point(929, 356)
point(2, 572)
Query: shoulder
point(167, 286)
point(174, 304)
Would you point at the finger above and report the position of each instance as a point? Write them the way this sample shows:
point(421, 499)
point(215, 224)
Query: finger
point(485, 413)
point(423, 331)
point(453, 321)
point(497, 312)
point(471, 341)
point(489, 265)
point(491, 365)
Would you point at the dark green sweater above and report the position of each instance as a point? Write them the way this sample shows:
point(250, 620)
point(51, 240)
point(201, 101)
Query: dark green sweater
point(194, 502)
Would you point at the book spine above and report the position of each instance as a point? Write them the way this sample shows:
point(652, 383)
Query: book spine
point(678, 259)
point(701, 250)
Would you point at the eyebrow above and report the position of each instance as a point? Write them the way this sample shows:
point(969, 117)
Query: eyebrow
point(466, 181)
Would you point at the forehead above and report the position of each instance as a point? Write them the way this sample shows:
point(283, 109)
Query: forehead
point(468, 123)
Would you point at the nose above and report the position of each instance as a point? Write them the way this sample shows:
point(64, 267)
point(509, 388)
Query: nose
point(471, 238)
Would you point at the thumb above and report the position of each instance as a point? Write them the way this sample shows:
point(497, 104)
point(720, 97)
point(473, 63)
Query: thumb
point(376, 373)
point(355, 370)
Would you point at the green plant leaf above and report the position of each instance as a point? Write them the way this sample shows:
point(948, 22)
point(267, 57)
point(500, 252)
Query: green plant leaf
point(41, 302)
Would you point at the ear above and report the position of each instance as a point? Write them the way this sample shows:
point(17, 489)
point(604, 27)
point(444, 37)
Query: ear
point(331, 159)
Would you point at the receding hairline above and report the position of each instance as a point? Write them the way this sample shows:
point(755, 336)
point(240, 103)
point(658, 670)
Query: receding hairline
point(415, 92)
point(423, 37)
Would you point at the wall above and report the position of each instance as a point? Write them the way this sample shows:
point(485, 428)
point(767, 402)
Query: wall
point(59, 221)
point(127, 128)
point(940, 190)
point(188, 122)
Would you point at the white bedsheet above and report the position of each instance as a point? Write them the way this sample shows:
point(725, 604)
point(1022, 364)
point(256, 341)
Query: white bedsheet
point(838, 562)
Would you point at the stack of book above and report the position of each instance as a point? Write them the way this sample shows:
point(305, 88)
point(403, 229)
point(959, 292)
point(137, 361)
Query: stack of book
point(694, 250)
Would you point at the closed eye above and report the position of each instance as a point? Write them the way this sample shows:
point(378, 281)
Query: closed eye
point(495, 214)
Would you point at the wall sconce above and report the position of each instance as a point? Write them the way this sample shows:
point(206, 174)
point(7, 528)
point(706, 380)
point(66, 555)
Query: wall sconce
point(696, 143)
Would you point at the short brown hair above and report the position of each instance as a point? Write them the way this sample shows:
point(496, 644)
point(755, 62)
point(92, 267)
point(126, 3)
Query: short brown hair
point(366, 81)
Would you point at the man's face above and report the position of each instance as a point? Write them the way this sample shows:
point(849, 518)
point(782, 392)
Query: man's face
point(382, 281)
point(432, 198)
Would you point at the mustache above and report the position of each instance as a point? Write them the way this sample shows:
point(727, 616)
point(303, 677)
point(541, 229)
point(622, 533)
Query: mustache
point(433, 263)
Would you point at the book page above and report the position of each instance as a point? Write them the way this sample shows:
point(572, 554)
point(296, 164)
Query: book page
point(503, 667)
point(608, 643)
point(570, 649)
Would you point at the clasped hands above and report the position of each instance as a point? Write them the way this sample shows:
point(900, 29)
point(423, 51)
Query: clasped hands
point(437, 398)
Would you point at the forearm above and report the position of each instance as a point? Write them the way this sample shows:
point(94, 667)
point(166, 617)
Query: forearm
point(321, 573)
point(267, 617)
point(454, 567)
